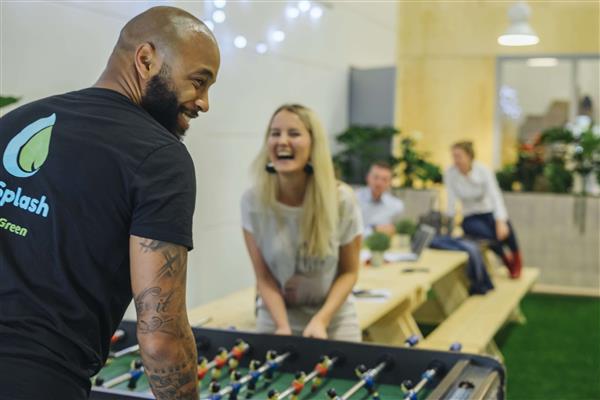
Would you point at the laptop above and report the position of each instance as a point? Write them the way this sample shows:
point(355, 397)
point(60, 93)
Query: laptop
point(419, 242)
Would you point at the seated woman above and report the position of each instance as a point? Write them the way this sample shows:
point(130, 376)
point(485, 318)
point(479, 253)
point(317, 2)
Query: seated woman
point(484, 213)
point(303, 232)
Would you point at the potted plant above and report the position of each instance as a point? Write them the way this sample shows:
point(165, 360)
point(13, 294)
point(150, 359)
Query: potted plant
point(415, 168)
point(363, 145)
point(378, 243)
point(405, 228)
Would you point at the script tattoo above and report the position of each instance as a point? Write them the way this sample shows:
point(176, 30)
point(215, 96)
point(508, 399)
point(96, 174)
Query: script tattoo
point(161, 309)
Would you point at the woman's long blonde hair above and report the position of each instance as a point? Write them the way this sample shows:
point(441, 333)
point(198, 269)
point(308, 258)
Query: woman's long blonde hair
point(320, 211)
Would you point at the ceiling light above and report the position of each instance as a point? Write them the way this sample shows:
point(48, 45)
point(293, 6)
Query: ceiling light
point(218, 16)
point(261, 48)
point(240, 42)
point(292, 12)
point(304, 5)
point(278, 36)
point(542, 62)
point(316, 12)
point(519, 33)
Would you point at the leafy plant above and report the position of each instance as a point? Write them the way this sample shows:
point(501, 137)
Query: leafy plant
point(560, 179)
point(530, 166)
point(363, 146)
point(415, 167)
point(5, 101)
point(406, 227)
point(557, 135)
point(378, 241)
point(506, 177)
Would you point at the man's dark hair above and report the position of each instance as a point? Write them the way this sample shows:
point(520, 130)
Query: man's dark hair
point(382, 164)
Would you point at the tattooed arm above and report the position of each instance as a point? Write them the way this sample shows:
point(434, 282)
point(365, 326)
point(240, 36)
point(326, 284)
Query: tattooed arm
point(167, 345)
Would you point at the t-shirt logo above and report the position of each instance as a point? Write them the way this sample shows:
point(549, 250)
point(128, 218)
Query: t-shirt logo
point(28, 150)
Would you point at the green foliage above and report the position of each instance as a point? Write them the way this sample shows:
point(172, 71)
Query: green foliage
point(406, 227)
point(415, 167)
point(560, 179)
point(506, 177)
point(363, 145)
point(527, 170)
point(5, 101)
point(557, 135)
point(378, 242)
point(551, 163)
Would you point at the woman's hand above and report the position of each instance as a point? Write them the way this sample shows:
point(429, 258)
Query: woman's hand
point(284, 331)
point(502, 230)
point(316, 328)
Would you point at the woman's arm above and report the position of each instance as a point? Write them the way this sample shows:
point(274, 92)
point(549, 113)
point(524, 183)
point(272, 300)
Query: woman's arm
point(500, 213)
point(268, 288)
point(345, 280)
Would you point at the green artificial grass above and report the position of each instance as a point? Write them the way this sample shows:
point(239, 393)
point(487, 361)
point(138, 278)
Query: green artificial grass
point(556, 354)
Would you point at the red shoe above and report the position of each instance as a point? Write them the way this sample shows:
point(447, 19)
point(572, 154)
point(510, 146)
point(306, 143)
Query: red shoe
point(516, 265)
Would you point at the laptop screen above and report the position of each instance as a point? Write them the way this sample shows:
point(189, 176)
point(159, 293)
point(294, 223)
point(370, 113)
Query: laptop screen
point(422, 238)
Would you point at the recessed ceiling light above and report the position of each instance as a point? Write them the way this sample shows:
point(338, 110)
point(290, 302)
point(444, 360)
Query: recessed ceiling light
point(240, 42)
point(218, 16)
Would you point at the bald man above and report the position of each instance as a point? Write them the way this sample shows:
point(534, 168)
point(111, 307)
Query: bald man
point(97, 194)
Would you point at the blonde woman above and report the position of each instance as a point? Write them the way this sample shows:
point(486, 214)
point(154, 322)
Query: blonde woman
point(484, 212)
point(303, 232)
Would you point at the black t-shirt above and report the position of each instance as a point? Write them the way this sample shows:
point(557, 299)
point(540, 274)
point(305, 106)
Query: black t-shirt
point(80, 173)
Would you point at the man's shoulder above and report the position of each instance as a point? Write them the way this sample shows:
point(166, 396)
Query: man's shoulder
point(392, 200)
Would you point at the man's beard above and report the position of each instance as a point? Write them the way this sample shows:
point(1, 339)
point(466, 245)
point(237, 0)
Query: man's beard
point(160, 101)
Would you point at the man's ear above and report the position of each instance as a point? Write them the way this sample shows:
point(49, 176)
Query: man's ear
point(147, 61)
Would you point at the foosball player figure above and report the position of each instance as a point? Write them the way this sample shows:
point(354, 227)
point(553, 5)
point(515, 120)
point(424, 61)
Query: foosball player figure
point(332, 394)
point(270, 358)
point(254, 376)
point(273, 395)
point(361, 373)
point(136, 373)
point(202, 369)
point(298, 384)
point(214, 388)
point(220, 362)
point(407, 385)
point(235, 384)
point(322, 369)
point(237, 353)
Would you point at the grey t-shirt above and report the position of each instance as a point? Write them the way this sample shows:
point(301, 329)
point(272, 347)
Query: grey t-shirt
point(304, 280)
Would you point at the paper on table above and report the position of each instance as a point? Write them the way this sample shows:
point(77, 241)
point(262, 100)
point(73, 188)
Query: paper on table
point(372, 295)
point(388, 256)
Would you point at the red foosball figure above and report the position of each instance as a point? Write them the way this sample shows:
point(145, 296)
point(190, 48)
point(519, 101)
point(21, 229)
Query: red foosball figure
point(220, 361)
point(322, 369)
point(298, 384)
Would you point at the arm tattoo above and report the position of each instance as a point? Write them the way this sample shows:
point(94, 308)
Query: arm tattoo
point(172, 265)
point(161, 309)
point(173, 382)
point(149, 245)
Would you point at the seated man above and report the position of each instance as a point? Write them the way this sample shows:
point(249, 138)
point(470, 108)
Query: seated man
point(380, 209)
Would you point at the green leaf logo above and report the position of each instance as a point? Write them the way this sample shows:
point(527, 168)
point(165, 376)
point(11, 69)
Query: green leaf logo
point(28, 150)
point(35, 151)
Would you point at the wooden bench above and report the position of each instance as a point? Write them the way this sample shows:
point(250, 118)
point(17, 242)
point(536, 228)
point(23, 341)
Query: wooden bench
point(478, 318)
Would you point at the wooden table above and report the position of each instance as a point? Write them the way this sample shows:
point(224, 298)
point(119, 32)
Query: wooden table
point(389, 321)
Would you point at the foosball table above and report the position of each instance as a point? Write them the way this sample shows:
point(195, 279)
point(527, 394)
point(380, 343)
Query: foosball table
point(236, 365)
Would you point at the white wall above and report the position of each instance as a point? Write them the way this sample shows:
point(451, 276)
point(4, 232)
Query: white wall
point(48, 48)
